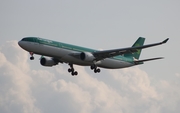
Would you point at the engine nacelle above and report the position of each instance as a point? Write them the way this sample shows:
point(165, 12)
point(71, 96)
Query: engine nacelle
point(48, 62)
point(86, 56)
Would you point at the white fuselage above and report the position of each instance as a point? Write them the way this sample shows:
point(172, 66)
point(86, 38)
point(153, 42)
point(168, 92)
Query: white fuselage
point(64, 55)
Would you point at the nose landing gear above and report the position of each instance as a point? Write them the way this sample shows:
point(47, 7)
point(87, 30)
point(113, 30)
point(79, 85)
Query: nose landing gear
point(32, 57)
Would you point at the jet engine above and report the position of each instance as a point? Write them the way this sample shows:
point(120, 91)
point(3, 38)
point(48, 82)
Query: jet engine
point(48, 61)
point(86, 56)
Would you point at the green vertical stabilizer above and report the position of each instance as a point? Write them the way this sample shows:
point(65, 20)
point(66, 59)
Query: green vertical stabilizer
point(136, 55)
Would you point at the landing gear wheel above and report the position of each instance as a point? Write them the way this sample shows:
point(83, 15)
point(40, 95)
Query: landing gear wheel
point(75, 73)
point(32, 58)
point(98, 70)
point(69, 70)
point(95, 71)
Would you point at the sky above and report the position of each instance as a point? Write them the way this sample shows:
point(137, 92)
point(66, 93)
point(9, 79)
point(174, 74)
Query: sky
point(28, 87)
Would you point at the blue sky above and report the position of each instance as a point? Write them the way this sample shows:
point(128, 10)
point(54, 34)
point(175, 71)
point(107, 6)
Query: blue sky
point(102, 24)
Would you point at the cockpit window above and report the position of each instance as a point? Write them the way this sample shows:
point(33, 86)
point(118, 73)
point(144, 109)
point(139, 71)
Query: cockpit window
point(28, 39)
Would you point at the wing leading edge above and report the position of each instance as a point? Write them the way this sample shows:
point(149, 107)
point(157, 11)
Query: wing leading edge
point(99, 55)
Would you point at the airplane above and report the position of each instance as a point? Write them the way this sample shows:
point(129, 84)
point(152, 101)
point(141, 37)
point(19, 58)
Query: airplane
point(58, 52)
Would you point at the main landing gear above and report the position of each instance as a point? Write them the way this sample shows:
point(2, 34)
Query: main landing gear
point(72, 71)
point(96, 70)
point(32, 57)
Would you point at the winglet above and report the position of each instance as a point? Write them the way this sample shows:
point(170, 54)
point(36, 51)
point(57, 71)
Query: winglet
point(165, 41)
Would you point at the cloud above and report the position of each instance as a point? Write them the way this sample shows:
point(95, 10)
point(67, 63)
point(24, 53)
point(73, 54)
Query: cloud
point(92, 94)
point(177, 75)
point(135, 80)
point(15, 92)
point(24, 89)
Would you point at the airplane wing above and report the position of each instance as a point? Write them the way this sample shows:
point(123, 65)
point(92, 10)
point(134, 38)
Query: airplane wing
point(100, 55)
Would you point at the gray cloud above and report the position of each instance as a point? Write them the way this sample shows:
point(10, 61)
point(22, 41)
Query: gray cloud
point(24, 89)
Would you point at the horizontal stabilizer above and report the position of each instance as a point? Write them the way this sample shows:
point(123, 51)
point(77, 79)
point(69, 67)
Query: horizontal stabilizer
point(141, 61)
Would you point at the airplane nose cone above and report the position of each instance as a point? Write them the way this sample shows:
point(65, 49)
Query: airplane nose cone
point(23, 45)
point(19, 43)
